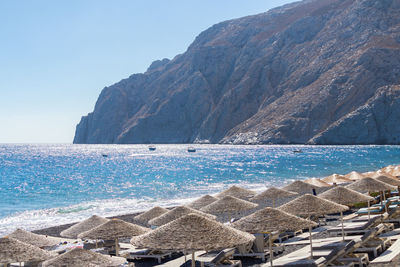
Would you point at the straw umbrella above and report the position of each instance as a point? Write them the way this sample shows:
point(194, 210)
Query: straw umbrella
point(228, 204)
point(369, 185)
point(395, 171)
point(354, 176)
point(202, 202)
point(13, 250)
point(145, 217)
point(368, 174)
point(193, 232)
point(317, 182)
point(85, 225)
point(82, 257)
point(34, 239)
point(309, 205)
point(236, 191)
point(300, 187)
point(382, 173)
point(388, 168)
point(344, 196)
point(272, 193)
point(175, 213)
point(388, 180)
point(270, 220)
point(114, 229)
point(336, 179)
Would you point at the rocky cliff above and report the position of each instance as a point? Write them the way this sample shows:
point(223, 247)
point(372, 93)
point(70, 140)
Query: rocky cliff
point(320, 72)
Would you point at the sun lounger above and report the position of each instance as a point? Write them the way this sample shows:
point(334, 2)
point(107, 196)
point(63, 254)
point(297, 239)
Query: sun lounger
point(392, 235)
point(180, 261)
point(218, 258)
point(287, 235)
point(305, 235)
point(324, 240)
point(388, 256)
point(323, 254)
point(371, 210)
point(350, 264)
point(359, 259)
point(257, 249)
point(374, 248)
point(296, 262)
point(136, 253)
point(373, 217)
point(350, 228)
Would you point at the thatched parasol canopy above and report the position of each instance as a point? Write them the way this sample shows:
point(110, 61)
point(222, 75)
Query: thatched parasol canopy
point(337, 179)
point(354, 176)
point(271, 220)
point(34, 239)
point(145, 217)
point(394, 170)
point(13, 250)
point(273, 193)
point(382, 173)
point(300, 187)
point(83, 226)
point(193, 232)
point(344, 196)
point(202, 202)
point(317, 182)
point(236, 191)
point(82, 257)
point(228, 204)
point(368, 174)
point(369, 185)
point(309, 205)
point(175, 214)
point(114, 229)
point(388, 180)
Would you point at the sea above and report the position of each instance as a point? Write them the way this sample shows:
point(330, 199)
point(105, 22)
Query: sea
point(43, 185)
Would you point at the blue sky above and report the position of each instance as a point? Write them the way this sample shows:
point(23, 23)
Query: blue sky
point(56, 56)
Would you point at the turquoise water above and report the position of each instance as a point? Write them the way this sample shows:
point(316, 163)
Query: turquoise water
point(44, 185)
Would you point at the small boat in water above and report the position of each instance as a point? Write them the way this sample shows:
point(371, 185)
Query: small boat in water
point(152, 148)
point(191, 149)
point(297, 151)
point(104, 155)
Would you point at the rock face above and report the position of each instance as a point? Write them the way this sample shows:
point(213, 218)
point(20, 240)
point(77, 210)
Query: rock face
point(376, 122)
point(319, 72)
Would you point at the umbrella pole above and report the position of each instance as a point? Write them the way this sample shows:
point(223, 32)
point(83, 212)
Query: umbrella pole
point(384, 199)
point(369, 212)
point(193, 260)
point(309, 229)
point(116, 247)
point(273, 203)
point(341, 218)
point(271, 252)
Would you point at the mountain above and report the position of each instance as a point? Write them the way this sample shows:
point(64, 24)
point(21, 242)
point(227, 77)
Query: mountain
point(317, 72)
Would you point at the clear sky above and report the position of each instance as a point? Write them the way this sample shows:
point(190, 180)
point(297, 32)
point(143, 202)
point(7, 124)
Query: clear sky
point(56, 56)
